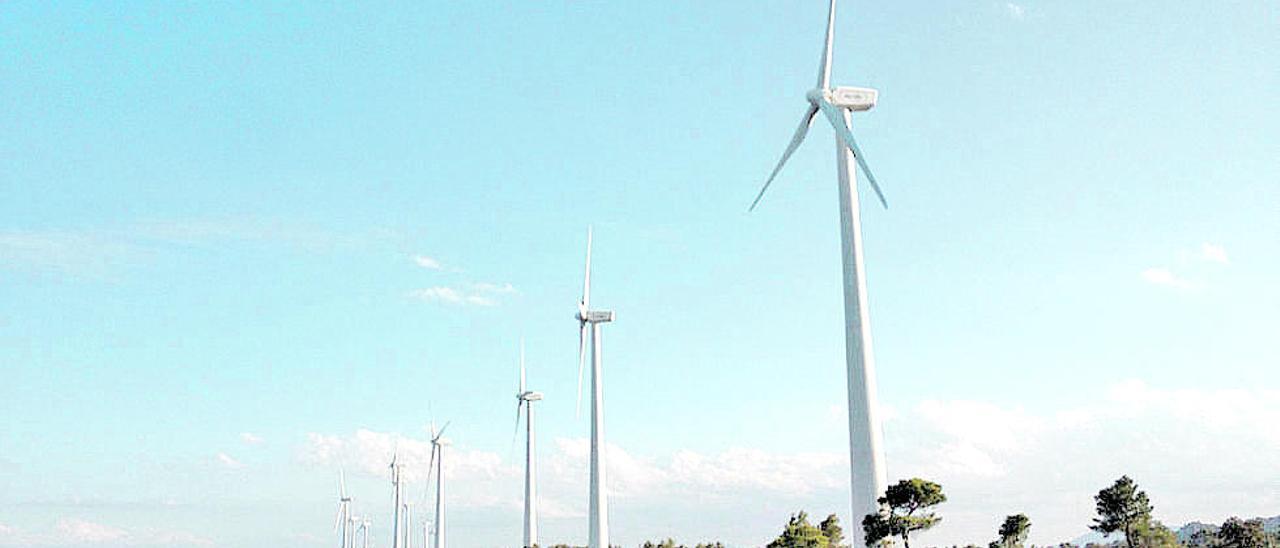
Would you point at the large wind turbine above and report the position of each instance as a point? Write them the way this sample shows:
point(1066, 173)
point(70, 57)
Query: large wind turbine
point(599, 517)
point(438, 443)
point(835, 103)
point(343, 519)
point(396, 468)
point(525, 399)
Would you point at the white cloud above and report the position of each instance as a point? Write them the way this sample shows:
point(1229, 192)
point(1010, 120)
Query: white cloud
point(79, 532)
point(249, 438)
point(428, 263)
point(229, 462)
point(991, 458)
point(1213, 253)
point(1015, 11)
point(476, 294)
point(1166, 278)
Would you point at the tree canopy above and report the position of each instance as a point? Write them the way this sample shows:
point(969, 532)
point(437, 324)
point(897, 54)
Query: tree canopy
point(1013, 532)
point(898, 511)
point(1121, 507)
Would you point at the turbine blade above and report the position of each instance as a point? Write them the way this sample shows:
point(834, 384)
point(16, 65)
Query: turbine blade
point(836, 116)
point(442, 429)
point(796, 139)
point(582, 364)
point(522, 389)
point(824, 68)
point(515, 432)
point(337, 519)
point(586, 280)
point(342, 483)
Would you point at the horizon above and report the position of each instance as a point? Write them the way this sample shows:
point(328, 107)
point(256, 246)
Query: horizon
point(249, 246)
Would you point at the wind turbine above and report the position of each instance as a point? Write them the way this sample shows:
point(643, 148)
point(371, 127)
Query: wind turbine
point(599, 516)
point(364, 530)
point(438, 443)
point(396, 468)
point(525, 399)
point(343, 519)
point(865, 448)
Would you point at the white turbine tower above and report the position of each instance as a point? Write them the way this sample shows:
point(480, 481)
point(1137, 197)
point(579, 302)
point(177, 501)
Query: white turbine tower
point(438, 443)
point(343, 519)
point(525, 399)
point(396, 468)
point(865, 449)
point(599, 512)
point(408, 525)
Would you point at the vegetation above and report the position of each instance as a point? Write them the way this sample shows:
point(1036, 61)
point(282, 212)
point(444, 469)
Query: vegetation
point(898, 511)
point(908, 505)
point(1122, 507)
point(1013, 532)
point(671, 543)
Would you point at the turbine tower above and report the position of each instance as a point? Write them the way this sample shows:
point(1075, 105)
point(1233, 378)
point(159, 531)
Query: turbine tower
point(438, 443)
point(396, 468)
point(343, 519)
point(599, 516)
point(525, 399)
point(408, 525)
point(866, 454)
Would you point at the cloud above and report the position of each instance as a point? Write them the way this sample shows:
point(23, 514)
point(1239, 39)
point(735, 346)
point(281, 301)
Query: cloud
point(427, 262)
point(70, 531)
point(1166, 278)
point(476, 294)
point(1015, 11)
point(1213, 253)
point(249, 438)
point(229, 462)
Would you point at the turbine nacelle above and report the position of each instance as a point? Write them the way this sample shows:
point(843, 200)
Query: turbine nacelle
point(529, 396)
point(595, 316)
point(849, 97)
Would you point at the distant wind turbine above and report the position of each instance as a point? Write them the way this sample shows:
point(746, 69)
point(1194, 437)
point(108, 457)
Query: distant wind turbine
point(343, 519)
point(525, 399)
point(438, 443)
point(599, 498)
point(396, 468)
point(867, 466)
point(364, 530)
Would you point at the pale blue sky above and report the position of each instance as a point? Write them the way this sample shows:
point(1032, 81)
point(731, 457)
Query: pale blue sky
point(214, 215)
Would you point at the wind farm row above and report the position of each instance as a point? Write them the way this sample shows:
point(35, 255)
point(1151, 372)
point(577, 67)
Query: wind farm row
point(866, 453)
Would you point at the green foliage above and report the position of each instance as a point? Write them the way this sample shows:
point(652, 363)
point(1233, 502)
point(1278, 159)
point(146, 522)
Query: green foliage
point(1121, 507)
point(1238, 533)
point(671, 543)
point(799, 533)
point(1153, 534)
point(898, 507)
point(1013, 532)
point(834, 533)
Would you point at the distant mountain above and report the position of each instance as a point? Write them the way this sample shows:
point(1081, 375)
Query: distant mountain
point(1271, 524)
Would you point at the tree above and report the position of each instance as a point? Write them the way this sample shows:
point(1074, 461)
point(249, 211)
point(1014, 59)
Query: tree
point(799, 533)
point(1121, 507)
point(834, 533)
point(1153, 534)
point(1237, 533)
point(898, 507)
point(1013, 532)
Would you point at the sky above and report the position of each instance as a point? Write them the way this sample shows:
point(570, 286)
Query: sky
point(244, 246)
